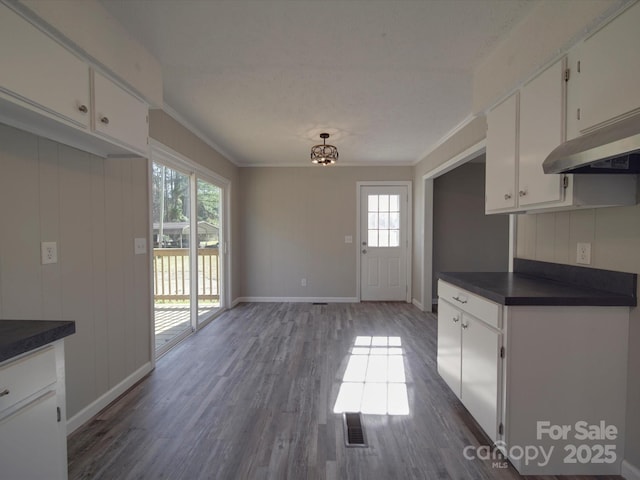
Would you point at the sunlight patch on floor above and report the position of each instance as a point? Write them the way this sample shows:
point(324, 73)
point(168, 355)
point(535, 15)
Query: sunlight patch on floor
point(374, 381)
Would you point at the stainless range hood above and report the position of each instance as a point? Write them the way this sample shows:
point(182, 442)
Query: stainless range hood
point(612, 149)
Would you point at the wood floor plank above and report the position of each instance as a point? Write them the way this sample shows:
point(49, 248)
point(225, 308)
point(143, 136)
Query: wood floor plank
point(251, 396)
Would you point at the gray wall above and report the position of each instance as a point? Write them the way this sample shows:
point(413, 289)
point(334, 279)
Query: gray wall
point(293, 224)
point(93, 208)
point(168, 131)
point(468, 136)
point(614, 234)
point(464, 238)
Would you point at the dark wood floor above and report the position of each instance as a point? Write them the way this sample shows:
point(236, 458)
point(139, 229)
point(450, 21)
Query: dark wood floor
point(251, 397)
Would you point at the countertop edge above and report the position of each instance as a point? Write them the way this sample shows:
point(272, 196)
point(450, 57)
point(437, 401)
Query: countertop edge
point(604, 299)
point(36, 340)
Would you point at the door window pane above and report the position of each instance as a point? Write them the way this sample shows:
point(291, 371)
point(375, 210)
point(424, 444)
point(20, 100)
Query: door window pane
point(208, 213)
point(372, 241)
point(171, 262)
point(373, 203)
point(383, 221)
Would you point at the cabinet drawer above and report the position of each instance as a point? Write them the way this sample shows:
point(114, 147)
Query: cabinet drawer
point(27, 375)
point(479, 307)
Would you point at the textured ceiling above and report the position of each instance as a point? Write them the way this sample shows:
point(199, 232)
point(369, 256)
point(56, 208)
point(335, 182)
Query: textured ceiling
point(262, 79)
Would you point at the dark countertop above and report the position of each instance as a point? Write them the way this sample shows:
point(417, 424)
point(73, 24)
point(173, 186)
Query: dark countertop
point(520, 289)
point(20, 336)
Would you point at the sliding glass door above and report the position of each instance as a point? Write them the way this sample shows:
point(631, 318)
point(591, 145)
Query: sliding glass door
point(171, 255)
point(188, 253)
point(209, 216)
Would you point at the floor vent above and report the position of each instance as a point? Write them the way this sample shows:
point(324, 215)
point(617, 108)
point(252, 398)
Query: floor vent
point(353, 430)
point(319, 303)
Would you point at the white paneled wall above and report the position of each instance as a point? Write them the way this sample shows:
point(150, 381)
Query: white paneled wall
point(93, 208)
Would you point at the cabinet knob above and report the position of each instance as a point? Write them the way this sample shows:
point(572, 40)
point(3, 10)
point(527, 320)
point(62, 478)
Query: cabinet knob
point(105, 120)
point(522, 193)
point(83, 108)
point(456, 319)
point(507, 196)
point(4, 392)
point(465, 326)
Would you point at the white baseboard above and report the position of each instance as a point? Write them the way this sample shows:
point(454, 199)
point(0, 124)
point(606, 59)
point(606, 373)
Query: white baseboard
point(236, 302)
point(418, 304)
point(629, 471)
point(297, 299)
point(91, 410)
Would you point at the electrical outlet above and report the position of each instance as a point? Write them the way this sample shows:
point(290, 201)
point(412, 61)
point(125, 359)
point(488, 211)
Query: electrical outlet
point(583, 254)
point(49, 252)
point(348, 239)
point(303, 282)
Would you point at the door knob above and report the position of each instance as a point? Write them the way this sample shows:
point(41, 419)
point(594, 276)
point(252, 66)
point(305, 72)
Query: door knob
point(364, 243)
point(364, 250)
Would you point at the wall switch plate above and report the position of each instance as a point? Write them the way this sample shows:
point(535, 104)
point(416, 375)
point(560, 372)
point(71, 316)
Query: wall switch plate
point(303, 282)
point(583, 254)
point(348, 239)
point(140, 246)
point(49, 253)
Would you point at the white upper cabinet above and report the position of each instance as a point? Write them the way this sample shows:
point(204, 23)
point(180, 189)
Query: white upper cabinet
point(541, 130)
point(522, 131)
point(502, 156)
point(119, 115)
point(48, 90)
point(606, 72)
point(40, 72)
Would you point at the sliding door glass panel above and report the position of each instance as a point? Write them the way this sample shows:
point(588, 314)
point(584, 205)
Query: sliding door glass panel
point(171, 259)
point(208, 212)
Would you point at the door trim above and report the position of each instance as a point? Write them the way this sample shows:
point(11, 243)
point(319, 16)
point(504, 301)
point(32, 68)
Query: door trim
point(427, 225)
point(409, 256)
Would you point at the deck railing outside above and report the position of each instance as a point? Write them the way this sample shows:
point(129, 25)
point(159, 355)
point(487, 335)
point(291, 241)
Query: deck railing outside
point(171, 274)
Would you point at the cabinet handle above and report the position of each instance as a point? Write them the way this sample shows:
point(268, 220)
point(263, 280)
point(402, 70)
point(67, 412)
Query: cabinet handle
point(507, 196)
point(83, 108)
point(458, 299)
point(105, 120)
point(4, 392)
point(465, 326)
point(522, 193)
point(456, 319)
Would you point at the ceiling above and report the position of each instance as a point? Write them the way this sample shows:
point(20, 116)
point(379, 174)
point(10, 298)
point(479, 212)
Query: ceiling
point(262, 79)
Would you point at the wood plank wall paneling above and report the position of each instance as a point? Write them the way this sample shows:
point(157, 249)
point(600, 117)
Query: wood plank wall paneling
point(93, 208)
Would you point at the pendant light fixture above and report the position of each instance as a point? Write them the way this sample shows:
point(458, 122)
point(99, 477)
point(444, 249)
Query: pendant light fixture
point(324, 154)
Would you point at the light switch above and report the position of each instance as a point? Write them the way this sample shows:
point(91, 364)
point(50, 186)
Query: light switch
point(348, 239)
point(140, 246)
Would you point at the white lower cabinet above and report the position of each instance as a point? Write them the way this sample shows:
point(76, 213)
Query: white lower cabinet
point(480, 383)
point(547, 384)
point(33, 442)
point(469, 358)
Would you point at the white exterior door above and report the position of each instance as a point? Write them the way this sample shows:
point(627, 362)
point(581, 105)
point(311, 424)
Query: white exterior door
point(383, 242)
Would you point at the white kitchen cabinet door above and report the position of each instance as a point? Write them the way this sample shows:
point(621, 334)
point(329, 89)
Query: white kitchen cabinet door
point(609, 71)
point(480, 385)
point(449, 342)
point(40, 72)
point(30, 443)
point(501, 157)
point(542, 114)
point(118, 115)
